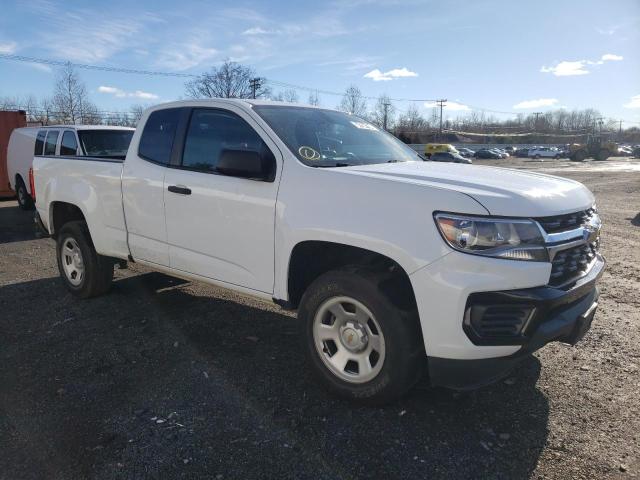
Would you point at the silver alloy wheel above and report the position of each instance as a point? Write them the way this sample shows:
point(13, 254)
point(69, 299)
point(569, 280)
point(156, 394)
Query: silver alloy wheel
point(349, 339)
point(72, 262)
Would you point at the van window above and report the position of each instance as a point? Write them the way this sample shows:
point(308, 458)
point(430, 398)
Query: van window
point(52, 140)
point(157, 137)
point(69, 145)
point(40, 142)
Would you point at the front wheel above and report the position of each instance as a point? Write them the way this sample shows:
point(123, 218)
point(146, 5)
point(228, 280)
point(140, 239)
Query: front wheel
point(359, 344)
point(84, 272)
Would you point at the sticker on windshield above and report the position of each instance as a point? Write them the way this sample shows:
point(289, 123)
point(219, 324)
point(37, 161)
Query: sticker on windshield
point(363, 126)
point(308, 153)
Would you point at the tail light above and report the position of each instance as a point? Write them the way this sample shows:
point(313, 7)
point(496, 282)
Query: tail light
point(32, 184)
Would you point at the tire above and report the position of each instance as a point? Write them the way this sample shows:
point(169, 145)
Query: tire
point(537, 157)
point(602, 155)
point(75, 252)
point(578, 156)
point(399, 354)
point(557, 157)
point(25, 202)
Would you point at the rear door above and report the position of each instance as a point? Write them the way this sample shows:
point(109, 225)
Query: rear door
point(221, 226)
point(143, 183)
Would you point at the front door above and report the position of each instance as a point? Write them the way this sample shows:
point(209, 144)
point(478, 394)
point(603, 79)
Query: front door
point(221, 226)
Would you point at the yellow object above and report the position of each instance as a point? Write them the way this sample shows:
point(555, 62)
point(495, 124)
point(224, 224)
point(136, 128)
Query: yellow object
point(431, 148)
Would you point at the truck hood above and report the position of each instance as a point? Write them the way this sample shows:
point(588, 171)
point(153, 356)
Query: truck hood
point(502, 191)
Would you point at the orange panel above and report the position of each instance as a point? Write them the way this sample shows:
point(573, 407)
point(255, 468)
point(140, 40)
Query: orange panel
point(8, 121)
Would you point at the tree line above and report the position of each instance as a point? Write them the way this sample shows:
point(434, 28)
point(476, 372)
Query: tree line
point(70, 103)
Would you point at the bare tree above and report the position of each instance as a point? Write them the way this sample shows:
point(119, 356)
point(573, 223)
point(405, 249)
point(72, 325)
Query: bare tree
point(314, 99)
point(229, 80)
point(353, 102)
point(71, 99)
point(383, 112)
point(289, 95)
point(136, 112)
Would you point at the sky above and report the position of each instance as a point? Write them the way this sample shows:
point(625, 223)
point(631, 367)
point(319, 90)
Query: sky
point(497, 55)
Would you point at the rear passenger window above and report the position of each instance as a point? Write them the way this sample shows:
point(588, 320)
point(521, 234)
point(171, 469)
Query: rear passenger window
point(69, 145)
point(50, 144)
point(157, 137)
point(40, 142)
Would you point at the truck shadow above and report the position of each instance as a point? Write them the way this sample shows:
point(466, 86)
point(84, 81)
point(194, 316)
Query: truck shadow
point(85, 382)
point(17, 224)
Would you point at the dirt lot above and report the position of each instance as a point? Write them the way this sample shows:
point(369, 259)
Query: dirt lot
point(167, 379)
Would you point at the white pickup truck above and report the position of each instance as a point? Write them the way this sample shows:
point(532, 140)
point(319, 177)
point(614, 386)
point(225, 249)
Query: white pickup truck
point(396, 265)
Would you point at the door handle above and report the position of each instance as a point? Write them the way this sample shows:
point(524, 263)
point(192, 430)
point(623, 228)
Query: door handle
point(179, 189)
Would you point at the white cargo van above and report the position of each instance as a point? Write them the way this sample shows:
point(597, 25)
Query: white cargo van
point(60, 140)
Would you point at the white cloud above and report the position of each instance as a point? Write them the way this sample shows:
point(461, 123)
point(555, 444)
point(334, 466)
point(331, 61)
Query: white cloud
point(611, 57)
point(566, 69)
point(634, 102)
point(8, 47)
point(540, 102)
point(377, 76)
point(257, 31)
point(119, 93)
point(578, 67)
point(450, 106)
point(185, 56)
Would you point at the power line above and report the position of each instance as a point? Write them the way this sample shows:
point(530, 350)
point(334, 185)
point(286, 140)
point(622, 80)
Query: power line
point(107, 68)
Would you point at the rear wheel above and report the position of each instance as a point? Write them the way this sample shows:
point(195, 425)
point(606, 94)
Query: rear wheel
point(537, 157)
point(358, 343)
point(602, 155)
point(84, 272)
point(24, 199)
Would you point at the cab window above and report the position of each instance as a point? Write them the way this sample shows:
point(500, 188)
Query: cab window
point(212, 132)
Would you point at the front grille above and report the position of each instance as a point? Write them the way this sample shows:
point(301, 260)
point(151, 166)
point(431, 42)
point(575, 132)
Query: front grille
point(569, 221)
point(572, 263)
point(499, 321)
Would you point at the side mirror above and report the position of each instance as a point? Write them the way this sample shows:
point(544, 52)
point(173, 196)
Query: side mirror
point(247, 164)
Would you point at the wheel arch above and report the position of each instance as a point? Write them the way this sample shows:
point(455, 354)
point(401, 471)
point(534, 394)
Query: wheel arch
point(64, 212)
point(311, 258)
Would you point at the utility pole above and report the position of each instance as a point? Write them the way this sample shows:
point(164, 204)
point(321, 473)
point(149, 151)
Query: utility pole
point(535, 123)
point(441, 103)
point(255, 84)
point(386, 115)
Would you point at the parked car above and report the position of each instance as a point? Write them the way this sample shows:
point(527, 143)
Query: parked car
point(486, 153)
point(66, 140)
point(625, 151)
point(465, 152)
point(545, 152)
point(509, 149)
point(494, 263)
point(499, 153)
point(449, 157)
point(431, 148)
point(521, 152)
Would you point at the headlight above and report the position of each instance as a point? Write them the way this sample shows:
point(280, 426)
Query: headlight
point(513, 239)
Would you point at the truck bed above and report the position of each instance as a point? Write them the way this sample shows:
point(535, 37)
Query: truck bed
point(93, 184)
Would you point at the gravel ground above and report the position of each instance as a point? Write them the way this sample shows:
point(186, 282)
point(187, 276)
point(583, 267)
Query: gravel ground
point(163, 378)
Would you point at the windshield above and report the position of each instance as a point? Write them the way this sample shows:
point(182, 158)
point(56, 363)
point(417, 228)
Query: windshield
point(105, 143)
point(326, 138)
